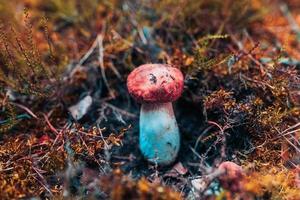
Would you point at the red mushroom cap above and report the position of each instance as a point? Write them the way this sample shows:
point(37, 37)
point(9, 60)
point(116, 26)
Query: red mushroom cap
point(155, 83)
point(231, 179)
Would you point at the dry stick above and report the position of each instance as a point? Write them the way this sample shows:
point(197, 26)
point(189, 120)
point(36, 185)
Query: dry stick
point(101, 135)
point(210, 177)
point(50, 125)
point(114, 69)
point(106, 148)
point(98, 42)
point(7, 169)
point(257, 82)
point(196, 153)
point(202, 164)
point(83, 142)
point(43, 181)
point(88, 53)
point(88, 134)
point(291, 127)
point(223, 138)
point(26, 109)
point(46, 188)
point(292, 144)
point(116, 34)
point(215, 174)
point(201, 136)
point(57, 136)
point(86, 146)
point(287, 139)
point(241, 48)
point(85, 57)
point(292, 137)
point(290, 132)
point(124, 112)
point(101, 62)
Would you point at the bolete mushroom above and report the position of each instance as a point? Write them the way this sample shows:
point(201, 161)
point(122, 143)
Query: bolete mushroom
point(232, 176)
point(156, 86)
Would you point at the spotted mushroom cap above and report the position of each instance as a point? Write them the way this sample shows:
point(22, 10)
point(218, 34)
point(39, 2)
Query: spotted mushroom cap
point(155, 83)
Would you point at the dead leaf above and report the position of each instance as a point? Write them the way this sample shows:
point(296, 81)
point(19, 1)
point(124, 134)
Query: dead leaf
point(80, 109)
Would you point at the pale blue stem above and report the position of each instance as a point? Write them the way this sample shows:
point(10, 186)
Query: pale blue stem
point(159, 133)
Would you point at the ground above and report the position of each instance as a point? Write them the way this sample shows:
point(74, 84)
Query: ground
point(69, 128)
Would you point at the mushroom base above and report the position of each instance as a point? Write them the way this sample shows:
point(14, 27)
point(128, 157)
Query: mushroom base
point(159, 134)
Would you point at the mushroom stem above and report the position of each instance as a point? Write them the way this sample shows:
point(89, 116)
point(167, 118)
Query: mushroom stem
point(159, 134)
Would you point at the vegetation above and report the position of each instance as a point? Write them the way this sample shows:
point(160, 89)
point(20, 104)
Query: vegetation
point(69, 129)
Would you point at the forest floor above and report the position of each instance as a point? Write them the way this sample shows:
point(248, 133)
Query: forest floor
point(69, 129)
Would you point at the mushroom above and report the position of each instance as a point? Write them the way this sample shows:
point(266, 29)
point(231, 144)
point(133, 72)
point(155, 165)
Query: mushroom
point(231, 177)
point(156, 86)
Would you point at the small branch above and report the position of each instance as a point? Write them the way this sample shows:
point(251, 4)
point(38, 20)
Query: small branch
point(26, 109)
point(50, 125)
point(208, 179)
point(124, 112)
point(201, 136)
point(248, 54)
point(258, 82)
point(292, 127)
point(99, 40)
point(293, 145)
point(88, 53)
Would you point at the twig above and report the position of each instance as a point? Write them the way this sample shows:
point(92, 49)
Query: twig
point(223, 137)
point(293, 145)
point(249, 55)
point(288, 131)
point(114, 69)
point(50, 125)
point(124, 112)
point(201, 136)
point(292, 127)
point(7, 169)
point(208, 179)
point(257, 82)
point(67, 125)
point(292, 137)
point(196, 153)
point(106, 148)
point(99, 40)
point(46, 188)
point(101, 135)
point(88, 53)
point(26, 109)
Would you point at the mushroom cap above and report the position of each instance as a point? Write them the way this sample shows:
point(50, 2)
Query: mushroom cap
point(155, 83)
point(232, 178)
